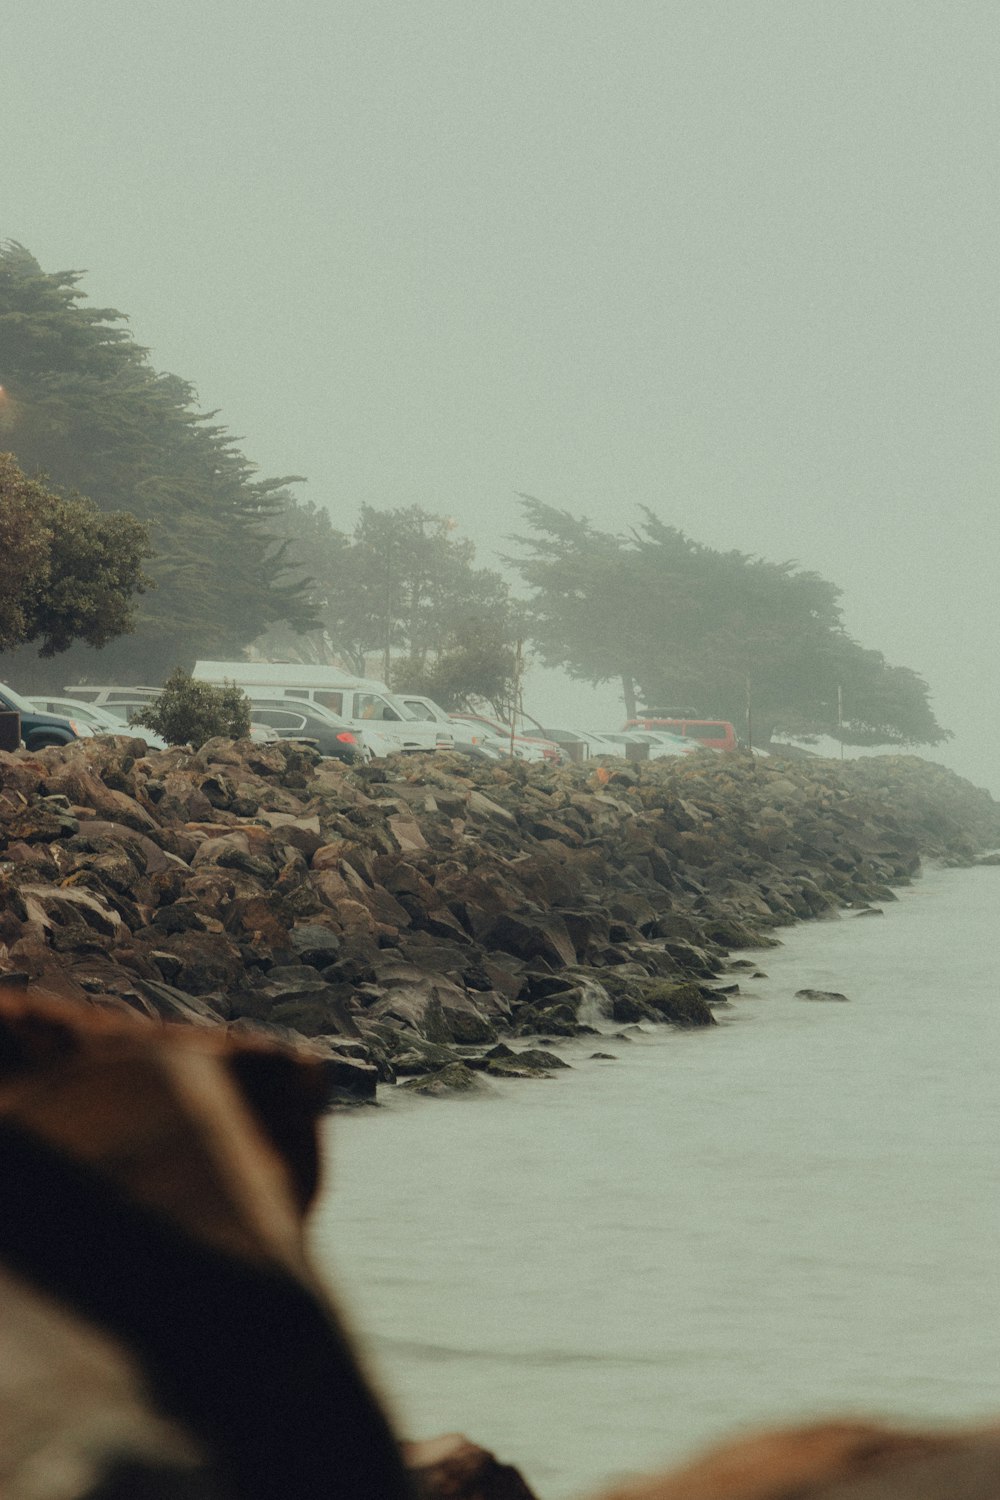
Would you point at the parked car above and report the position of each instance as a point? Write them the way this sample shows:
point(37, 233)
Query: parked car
point(673, 744)
point(468, 739)
point(592, 744)
point(99, 720)
point(362, 702)
point(113, 699)
point(39, 728)
point(122, 705)
point(711, 734)
point(657, 749)
point(290, 719)
point(526, 747)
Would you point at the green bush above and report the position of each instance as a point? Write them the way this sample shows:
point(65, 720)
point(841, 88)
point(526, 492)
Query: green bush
point(189, 712)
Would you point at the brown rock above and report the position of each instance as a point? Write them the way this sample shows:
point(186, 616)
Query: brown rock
point(452, 1468)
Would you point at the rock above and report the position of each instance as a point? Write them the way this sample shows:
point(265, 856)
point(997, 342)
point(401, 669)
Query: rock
point(535, 1057)
point(532, 1062)
point(729, 932)
point(419, 1057)
point(681, 1004)
point(630, 1008)
point(559, 1020)
point(437, 899)
point(149, 1275)
point(174, 1005)
point(531, 937)
point(452, 1468)
point(819, 995)
point(314, 944)
point(456, 1078)
point(432, 1005)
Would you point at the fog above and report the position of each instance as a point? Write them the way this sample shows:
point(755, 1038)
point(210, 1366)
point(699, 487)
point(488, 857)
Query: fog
point(735, 262)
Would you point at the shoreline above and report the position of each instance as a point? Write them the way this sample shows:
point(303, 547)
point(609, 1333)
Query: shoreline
point(427, 922)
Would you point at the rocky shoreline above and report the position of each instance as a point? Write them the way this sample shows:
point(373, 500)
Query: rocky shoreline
point(426, 922)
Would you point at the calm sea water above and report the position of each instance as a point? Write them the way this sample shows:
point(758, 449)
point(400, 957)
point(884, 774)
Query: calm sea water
point(794, 1213)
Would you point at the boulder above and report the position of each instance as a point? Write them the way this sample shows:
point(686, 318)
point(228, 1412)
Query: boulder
point(314, 944)
point(682, 1004)
point(452, 1468)
point(456, 1078)
point(531, 936)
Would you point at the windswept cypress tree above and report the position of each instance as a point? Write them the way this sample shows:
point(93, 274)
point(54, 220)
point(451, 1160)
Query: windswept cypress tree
point(83, 405)
point(682, 624)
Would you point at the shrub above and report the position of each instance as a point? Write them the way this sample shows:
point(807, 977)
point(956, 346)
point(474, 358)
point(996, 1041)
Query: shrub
point(189, 712)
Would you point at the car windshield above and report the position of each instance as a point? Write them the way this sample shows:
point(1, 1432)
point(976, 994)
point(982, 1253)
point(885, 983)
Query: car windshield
point(70, 710)
point(422, 711)
point(16, 701)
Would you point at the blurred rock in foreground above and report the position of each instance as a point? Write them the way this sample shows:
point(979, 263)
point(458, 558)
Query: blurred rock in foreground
point(164, 1336)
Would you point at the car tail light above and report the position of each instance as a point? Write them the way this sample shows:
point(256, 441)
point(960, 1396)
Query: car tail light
point(347, 738)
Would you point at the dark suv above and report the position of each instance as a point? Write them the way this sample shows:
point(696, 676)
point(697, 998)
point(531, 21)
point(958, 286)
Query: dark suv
point(38, 729)
point(295, 719)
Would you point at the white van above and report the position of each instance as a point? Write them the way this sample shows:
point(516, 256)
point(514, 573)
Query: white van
point(362, 701)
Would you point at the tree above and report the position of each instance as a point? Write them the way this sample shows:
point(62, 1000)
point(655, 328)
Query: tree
point(403, 588)
point(474, 670)
point(83, 403)
point(188, 712)
point(67, 572)
point(685, 624)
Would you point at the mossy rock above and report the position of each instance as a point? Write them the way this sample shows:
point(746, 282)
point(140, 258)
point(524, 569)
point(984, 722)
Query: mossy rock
point(533, 1062)
point(456, 1078)
point(681, 1004)
point(559, 1020)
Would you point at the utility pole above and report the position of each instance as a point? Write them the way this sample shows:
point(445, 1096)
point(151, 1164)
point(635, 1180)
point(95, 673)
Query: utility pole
point(749, 717)
point(840, 718)
point(389, 591)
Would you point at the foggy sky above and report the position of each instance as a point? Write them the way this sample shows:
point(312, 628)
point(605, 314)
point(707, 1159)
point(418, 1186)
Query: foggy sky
point(734, 261)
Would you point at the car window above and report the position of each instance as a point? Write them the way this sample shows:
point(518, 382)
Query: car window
point(279, 718)
point(416, 709)
point(374, 706)
point(333, 701)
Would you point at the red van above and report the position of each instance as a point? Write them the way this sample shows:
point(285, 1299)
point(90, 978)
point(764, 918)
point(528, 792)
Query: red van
point(714, 734)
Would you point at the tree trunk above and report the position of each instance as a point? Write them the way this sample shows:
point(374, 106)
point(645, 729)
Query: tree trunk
point(628, 690)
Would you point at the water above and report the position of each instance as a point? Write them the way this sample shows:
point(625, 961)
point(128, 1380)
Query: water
point(794, 1213)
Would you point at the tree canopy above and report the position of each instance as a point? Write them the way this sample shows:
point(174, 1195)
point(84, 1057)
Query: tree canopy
point(67, 572)
point(403, 592)
point(684, 624)
point(83, 405)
